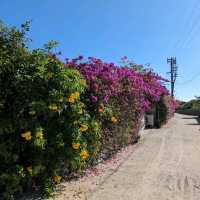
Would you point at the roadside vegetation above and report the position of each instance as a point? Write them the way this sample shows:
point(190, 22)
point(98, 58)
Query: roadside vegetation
point(58, 118)
point(191, 107)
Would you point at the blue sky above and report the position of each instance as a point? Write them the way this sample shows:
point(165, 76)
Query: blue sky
point(145, 31)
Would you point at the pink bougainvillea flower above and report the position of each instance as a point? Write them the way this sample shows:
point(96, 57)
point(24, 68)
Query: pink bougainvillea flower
point(94, 99)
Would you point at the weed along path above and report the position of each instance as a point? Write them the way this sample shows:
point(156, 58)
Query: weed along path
point(164, 165)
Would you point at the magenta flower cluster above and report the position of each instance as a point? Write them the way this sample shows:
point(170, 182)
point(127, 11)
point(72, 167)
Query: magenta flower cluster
point(107, 80)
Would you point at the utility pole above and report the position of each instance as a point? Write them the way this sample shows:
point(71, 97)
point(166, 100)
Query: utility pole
point(173, 73)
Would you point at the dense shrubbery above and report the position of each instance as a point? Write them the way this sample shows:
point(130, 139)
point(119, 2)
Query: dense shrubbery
point(44, 127)
point(165, 109)
point(191, 107)
point(56, 118)
point(193, 104)
point(119, 93)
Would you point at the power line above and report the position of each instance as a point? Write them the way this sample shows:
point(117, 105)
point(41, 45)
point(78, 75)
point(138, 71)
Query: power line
point(190, 80)
point(192, 22)
point(188, 20)
point(191, 33)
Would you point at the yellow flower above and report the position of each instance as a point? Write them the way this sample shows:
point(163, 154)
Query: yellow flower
point(32, 112)
point(39, 135)
point(57, 179)
point(73, 97)
point(76, 95)
point(83, 128)
point(30, 170)
point(114, 120)
point(53, 107)
point(76, 145)
point(84, 154)
point(27, 135)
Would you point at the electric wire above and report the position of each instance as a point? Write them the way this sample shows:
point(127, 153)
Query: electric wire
point(190, 80)
point(192, 22)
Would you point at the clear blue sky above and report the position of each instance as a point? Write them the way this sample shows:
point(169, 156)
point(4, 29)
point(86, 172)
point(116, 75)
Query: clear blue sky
point(145, 31)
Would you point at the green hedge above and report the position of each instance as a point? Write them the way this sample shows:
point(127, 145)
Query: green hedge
point(164, 110)
point(45, 130)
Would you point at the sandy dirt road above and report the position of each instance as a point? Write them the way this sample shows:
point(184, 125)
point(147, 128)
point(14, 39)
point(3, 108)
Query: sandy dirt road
point(165, 165)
